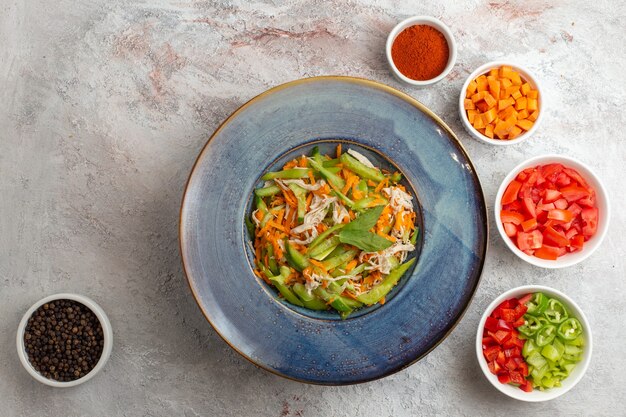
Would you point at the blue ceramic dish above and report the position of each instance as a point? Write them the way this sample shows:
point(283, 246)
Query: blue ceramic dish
point(394, 129)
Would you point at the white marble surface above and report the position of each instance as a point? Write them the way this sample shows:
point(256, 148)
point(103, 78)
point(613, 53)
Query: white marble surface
point(104, 107)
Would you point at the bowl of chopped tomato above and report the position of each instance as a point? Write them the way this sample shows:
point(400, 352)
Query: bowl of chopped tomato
point(501, 104)
point(552, 211)
point(533, 343)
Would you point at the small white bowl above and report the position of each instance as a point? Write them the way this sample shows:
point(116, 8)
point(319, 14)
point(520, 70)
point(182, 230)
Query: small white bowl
point(422, 20)
point(527, 76)
point(602, 202)
point(106, 330)
point(569, 382)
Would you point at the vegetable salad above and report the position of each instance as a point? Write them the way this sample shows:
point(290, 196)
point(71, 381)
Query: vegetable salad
point(332, 232)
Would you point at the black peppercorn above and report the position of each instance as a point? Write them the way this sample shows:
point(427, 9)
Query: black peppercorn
point(63, 340)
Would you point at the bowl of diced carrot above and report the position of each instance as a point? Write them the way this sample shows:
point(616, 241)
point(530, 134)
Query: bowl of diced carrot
point(501, 104)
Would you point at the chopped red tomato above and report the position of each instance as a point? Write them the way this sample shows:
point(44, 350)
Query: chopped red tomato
point(555, 202)
point(510, 229)
point(511, 217)
point(502, 346)
point(551, 196)
point(561, 215)
point(590, 221)
point(510, 194)
point(547, 252)
point(527, 226)
point(529, 240)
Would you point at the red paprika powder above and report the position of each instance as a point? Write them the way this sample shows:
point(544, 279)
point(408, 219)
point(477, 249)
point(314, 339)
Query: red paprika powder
point(420, 52)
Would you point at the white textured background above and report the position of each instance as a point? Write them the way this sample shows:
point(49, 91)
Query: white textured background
point(104, 105)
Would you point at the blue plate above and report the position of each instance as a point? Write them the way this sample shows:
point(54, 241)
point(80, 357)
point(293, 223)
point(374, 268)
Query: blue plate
point(393, 129)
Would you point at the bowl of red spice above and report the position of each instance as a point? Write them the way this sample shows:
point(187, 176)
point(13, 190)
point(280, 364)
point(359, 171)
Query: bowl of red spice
point(421, 50)
point(64, 340)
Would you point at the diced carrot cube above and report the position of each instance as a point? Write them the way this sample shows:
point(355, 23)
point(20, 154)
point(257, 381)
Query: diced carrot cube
point(494, 88)
point(507, 112)
point(494, 72)
point(468, 104)
point(481, 83)
point(520, 103)
point(491, 102)
point(482, 106)
point(525, 88)
point(525, 124)
point(531, 104)
point(516, 95)
point(510, 90)
point(479, 123)
point(489, 131)
point(505, 83)
point(470, 115)
point(533, 94)
point(478, 96)
point(503, 104)
point(516, 80)
point(471, 88)
point(533, 116)
point(505, 71)
point(522, 114)
point(515, 131)
point(490, 115)
point(481, 131)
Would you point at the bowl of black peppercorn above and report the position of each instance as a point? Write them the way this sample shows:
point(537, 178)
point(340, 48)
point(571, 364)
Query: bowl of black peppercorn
point(64, 340)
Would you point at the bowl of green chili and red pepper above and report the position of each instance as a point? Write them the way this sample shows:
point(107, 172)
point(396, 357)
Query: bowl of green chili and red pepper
point(533, 343)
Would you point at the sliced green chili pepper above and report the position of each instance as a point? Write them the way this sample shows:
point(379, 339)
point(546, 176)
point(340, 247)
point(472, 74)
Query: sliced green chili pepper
point(531, 325)
point(396, 177)
point(555, 312)
point(366, 202)
point(553, 351)
point(335, 261)
point(361, 169)
point(309, 300)
point(536, 359)
point(279, 283)
point(295, 258)
point(271, 261)
point(331, 177)
point(250, 227)
point(362, 187)
point(537, 303)
point(300, 194)
point(324, 235)
point(260, 204)
point(545, 335)
point(529, 347)
point(287, 174)
point(375, 294)
point(322, 250)
point(344, 198)
point(337, 301)
point(414, 236)
point(570, 329)
point(267, 191)
point(330, 163)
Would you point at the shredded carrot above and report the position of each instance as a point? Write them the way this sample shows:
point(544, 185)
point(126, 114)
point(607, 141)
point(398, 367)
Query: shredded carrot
point(302, 163)
point(309, 198)
point(277, 226)
point(382, 301)
point(351, 265)
point(311, 177)
point(325, 284)
point(338, 150)
point(371, 183)
point(291, 164)
point(289, 199)
point(381, 185)
point(349, 295)
point(318, 264)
